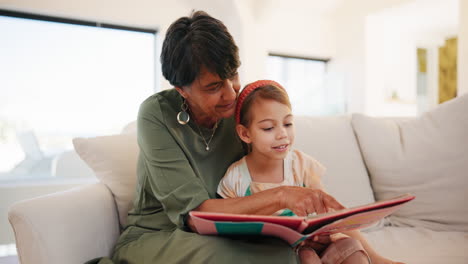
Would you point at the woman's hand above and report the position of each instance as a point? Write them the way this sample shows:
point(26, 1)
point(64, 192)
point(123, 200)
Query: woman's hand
point(303, 201)
point(317, 243)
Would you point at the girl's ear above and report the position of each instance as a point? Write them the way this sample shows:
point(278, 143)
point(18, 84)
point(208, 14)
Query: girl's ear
point(243, 133)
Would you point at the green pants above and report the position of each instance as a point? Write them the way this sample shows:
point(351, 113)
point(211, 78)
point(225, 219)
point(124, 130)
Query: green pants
point(178, 246)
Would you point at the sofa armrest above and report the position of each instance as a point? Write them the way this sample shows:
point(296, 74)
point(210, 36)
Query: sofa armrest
point(66, 227)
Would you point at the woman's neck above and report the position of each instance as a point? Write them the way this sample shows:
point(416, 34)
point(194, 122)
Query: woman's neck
point(265, 170)
point(205, 122)
point(201, 118)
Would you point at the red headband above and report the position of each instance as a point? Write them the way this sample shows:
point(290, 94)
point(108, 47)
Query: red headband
point(247, 90)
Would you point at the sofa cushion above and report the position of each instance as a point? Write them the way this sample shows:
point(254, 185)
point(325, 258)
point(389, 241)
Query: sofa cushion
point(332, 142)
point(113, 160)
point(419, 245)
point(426, 156)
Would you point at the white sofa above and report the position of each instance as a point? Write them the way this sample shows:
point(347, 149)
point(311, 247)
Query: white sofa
point(367, 159)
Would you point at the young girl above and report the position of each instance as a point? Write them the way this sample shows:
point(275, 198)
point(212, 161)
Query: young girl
point(265, 124)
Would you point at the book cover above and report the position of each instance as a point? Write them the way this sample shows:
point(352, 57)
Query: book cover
point(294, 229)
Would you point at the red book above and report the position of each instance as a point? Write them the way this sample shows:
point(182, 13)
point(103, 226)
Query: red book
point(294, 229)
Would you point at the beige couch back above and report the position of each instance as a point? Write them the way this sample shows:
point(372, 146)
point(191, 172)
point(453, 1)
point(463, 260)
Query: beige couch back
point(332, 142)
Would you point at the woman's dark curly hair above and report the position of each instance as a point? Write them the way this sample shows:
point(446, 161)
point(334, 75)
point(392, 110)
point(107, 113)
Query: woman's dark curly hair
point(194, 42)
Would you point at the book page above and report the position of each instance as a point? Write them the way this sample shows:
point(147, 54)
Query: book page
point(318, 221)
point(353, 222)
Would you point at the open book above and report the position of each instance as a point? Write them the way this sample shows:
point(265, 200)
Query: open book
point(294, 229)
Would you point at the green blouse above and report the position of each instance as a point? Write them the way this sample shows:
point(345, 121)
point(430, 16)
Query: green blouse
point(175, 171)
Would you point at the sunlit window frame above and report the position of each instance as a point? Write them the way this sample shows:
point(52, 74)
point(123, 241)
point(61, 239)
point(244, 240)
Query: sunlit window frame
point(288, 56)
point(24, 15)
point(323, 60)
point(46, 18)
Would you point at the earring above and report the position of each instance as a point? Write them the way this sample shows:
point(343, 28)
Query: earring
point(183, 117)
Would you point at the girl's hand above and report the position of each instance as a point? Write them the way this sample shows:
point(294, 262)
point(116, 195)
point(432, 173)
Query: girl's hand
point(304, 201)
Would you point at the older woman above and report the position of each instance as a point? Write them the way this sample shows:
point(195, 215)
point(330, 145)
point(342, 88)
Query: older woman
point(187, 141)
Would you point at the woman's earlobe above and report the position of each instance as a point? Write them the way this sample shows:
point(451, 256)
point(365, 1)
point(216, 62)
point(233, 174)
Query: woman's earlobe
point(181, 91)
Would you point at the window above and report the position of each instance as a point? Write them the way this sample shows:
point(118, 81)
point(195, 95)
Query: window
point(311, 89)
point(62, 79)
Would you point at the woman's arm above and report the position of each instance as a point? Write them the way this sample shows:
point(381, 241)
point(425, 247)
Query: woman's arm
point(301, 201)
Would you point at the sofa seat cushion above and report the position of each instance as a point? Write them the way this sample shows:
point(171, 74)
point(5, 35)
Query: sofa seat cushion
point(426, 156)
point(420, 245)
point(332, 142)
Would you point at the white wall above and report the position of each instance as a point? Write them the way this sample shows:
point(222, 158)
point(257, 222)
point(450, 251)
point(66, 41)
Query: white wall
point(351, 59)
point(392, 38)
point(279, 26)
point(463, 48)
point(349, 62)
